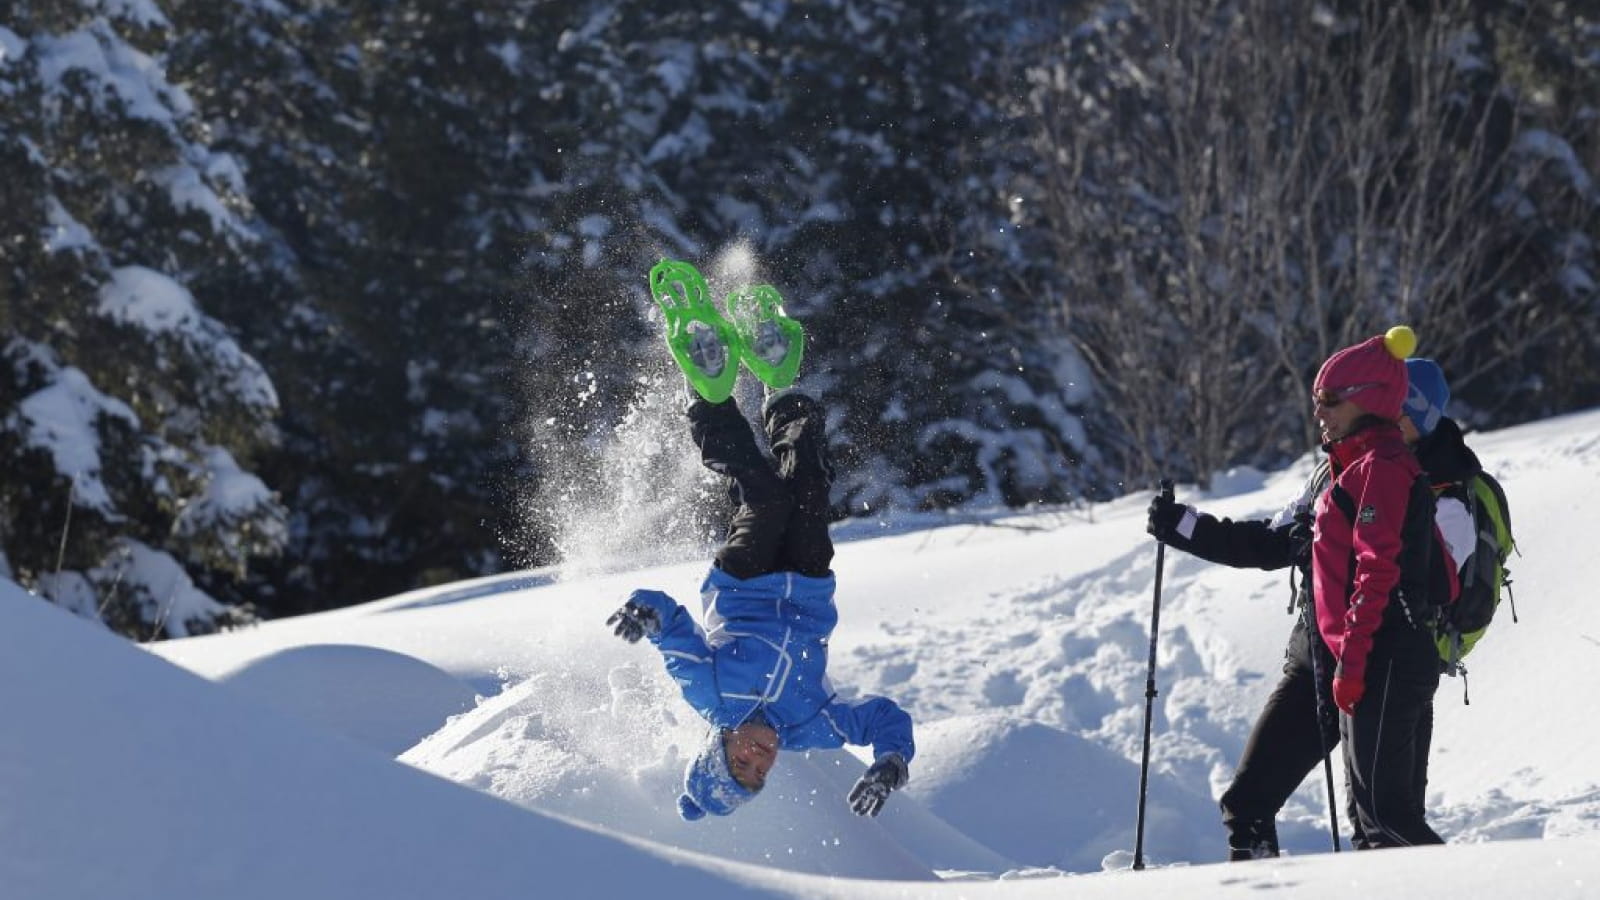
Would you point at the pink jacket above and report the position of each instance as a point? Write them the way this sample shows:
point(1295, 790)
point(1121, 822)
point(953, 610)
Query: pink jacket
point(1356, 560)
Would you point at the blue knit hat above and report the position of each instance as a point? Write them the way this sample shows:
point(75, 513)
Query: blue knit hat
point(1427, 394)
point(708, 783)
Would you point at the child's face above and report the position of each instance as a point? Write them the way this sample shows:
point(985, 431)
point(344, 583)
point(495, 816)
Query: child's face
point(1408, 430)
point(752, 750)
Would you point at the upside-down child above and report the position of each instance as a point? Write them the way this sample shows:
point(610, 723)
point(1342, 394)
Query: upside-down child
point(757, 672)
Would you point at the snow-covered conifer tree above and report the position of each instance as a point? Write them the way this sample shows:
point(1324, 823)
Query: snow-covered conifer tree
point(127, 450)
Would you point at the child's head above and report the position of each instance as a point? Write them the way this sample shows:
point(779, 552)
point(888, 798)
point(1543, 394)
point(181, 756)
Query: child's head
point(752, 751)
point(1426, 397)
point(729, 770)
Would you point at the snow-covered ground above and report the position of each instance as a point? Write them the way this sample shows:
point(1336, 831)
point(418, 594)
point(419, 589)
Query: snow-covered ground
point(492, 739)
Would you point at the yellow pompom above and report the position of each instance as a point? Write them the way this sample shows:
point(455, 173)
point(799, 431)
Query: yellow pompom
point(1401, 341)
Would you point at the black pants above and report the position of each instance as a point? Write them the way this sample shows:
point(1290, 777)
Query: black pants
point(1386, 742)
point(1294, 732)
point(780, 523)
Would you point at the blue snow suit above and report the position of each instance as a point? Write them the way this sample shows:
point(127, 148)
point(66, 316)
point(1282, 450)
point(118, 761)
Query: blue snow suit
point(766, 649)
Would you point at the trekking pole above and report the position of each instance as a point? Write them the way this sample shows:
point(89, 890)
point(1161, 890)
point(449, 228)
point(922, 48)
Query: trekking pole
point(1308, 620)
point(1150, 695)
point(1313, 635)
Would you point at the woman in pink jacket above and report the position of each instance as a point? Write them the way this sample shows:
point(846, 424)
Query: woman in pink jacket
point(1379, 570)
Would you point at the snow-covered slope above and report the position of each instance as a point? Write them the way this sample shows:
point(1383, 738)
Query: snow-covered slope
point(124, 776)
point(1018, 642)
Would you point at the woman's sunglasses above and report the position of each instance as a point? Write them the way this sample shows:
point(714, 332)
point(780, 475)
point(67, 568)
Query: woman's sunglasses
point(1330, 397)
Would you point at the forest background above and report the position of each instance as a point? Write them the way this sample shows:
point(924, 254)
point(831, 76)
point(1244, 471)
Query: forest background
point(306, 303)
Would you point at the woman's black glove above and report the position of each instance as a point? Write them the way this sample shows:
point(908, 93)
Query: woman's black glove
point(1165, 514)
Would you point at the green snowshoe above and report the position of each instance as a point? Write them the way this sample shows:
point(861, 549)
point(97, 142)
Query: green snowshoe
point(700, 340)
point(770, 343)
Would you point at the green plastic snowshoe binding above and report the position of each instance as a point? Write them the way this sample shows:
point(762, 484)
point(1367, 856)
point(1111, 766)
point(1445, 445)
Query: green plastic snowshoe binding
point(770, 343)
point(700, 340)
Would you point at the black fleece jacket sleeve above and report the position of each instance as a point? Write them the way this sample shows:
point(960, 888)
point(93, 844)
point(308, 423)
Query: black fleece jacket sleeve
point(1253, 543)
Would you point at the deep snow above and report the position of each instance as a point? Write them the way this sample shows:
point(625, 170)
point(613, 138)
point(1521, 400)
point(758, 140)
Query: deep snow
point(492, 739)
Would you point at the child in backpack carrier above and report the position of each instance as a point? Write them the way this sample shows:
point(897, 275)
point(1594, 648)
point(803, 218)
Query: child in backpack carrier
point(757, 670)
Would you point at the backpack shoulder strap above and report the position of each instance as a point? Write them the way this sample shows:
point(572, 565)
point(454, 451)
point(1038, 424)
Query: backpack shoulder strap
point(1313, 488)
point(1320, 476)
point(1342, 499)
point(1488, 495)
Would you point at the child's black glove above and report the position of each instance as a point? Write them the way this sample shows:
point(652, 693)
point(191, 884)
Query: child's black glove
point(634, 621)
point(886, 775)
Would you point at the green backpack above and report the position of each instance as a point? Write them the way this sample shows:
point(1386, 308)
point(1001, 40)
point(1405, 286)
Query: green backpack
point(1461, 624)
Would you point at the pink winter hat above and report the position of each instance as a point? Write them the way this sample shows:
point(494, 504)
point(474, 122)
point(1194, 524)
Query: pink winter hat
point(1371, 374)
